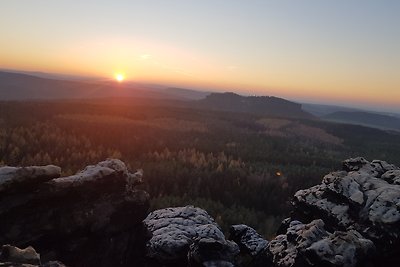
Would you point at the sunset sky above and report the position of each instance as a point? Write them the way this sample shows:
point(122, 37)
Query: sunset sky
point(343, 51)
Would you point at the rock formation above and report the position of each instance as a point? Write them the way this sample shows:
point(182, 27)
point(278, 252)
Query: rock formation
point(87, 219)
point(97, 217)
point(364, 197)
point(311, 245)
point(188, 235)
point(351, 219)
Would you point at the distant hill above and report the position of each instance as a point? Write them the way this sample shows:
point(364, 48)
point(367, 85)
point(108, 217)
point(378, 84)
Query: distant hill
point(17, 86)
point(366, 119)
point(320, 110)
point(55, 76)
point(263, 105)
point(186, 93)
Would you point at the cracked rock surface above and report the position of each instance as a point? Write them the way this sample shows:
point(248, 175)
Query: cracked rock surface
point(188, 234)
point(364, 196)
point(311, 245)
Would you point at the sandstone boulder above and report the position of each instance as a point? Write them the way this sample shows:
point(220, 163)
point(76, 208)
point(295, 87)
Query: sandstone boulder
point(188, 235)
point(364, 197)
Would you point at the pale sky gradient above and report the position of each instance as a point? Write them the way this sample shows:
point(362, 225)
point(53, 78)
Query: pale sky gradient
point(343, 51)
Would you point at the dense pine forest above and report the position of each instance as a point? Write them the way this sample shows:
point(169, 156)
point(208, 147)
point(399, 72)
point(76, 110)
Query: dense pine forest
point(242, 168)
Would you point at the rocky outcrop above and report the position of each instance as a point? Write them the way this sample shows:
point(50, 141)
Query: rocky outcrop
point(97, 217)
point(311, 245)
point(351, 219)
point(92, 218)
point(188, 235)
point(363, 197)
point(304, 245)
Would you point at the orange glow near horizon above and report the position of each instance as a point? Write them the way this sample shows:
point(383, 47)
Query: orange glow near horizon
point(327, 52)
point(166, 64)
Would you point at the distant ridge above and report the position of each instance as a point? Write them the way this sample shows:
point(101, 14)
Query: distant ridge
point(321, 110)
point(263, 105)
point(366, 118)
point(51, 75)
point(186, 93)
point(18, 86)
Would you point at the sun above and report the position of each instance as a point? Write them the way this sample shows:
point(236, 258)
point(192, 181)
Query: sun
point(120, 77)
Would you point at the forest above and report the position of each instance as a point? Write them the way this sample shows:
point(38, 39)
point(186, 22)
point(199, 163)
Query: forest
point(241, 168)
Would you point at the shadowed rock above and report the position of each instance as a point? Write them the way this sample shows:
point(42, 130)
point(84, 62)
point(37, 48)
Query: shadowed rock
point(210, 252)
point(87, 219)
point(22, 178)
point(392, 177)
point(252, 245)
point(248, 239)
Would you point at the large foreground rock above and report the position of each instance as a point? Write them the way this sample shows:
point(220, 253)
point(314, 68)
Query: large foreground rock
point(351, 219)
point(188, 235)
point(92, 218)
point(363, 197)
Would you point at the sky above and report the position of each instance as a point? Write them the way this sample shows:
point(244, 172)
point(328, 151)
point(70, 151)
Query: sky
point(338, 52)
